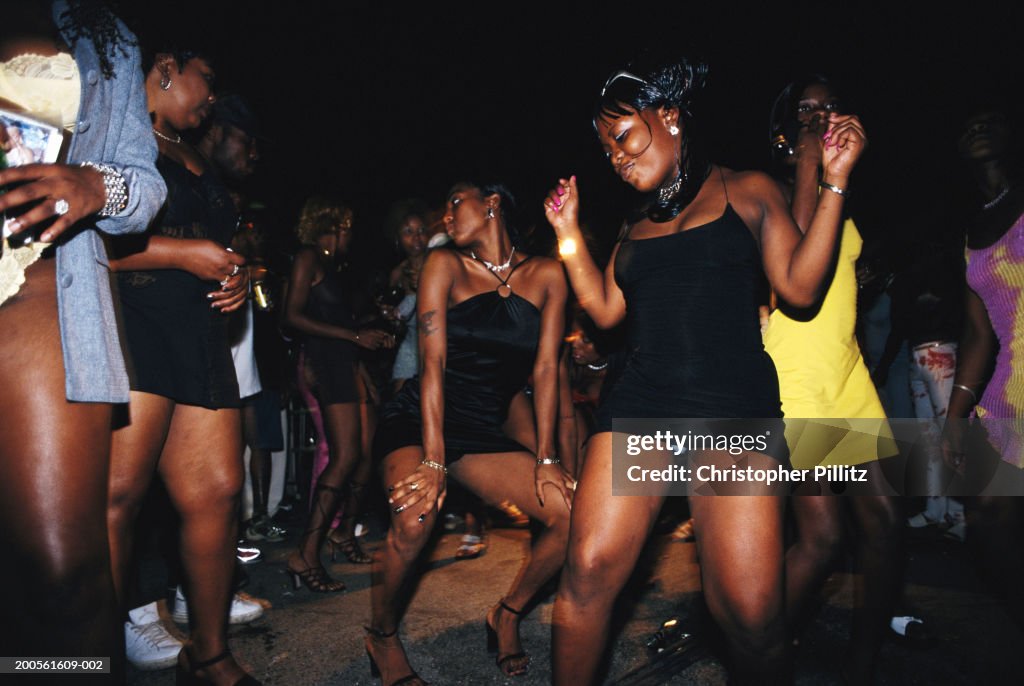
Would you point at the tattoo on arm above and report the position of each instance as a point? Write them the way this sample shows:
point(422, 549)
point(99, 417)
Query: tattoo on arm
point(425, 323)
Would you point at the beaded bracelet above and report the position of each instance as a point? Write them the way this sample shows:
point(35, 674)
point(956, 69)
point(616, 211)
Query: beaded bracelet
point(434, 465)
point(549, 460)
point(115, 187)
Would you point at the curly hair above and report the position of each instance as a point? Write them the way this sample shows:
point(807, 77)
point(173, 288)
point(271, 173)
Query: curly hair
point(650, 81)
point(320, 215)
point(93, 20)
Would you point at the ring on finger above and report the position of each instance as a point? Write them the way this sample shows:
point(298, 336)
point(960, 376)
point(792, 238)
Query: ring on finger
point(61, 207)
point(414, 485)
point(234, 270)
point(400, 509)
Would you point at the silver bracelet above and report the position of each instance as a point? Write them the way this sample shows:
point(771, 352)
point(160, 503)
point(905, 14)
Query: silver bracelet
point(835, 189)
point(549, 460)
point(115, 187)
point(968, 389)
point(434, 465)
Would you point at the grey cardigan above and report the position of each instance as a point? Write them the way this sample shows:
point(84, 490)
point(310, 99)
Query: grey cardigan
point(113, 127)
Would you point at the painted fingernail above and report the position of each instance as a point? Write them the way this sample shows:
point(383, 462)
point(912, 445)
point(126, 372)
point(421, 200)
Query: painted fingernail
point(422, 518)
point(560, 190)
point(390, 489)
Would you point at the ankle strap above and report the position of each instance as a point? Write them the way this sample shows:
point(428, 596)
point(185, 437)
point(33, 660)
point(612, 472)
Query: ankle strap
point(212, 661)
point(377, 633)
point(505, 607)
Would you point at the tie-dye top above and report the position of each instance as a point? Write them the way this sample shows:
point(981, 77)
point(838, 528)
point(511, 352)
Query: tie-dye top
point(996, 274)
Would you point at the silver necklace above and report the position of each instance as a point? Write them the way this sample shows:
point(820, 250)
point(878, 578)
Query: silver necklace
point(176, 139)
point(597, 367)
point(995, 201)
point(666, 193)
point(495, 267)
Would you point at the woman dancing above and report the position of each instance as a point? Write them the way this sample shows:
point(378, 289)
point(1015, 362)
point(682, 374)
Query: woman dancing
point(993, 328)
point(822, 374)
point(687, 272)
point(175, 287)
point(488, 315)
point(61, 364)
point(318, 306)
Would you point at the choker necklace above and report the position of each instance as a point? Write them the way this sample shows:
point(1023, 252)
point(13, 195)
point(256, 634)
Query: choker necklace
point(597, 367)
point(176, 139)
point(495, 267)
point(666, 193)
point(996, 200)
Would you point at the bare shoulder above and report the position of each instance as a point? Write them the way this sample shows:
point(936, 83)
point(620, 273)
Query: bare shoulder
point(751, 184)
point(440, 259)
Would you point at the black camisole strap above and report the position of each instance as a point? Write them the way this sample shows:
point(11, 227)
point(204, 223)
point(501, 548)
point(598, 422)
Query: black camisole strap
point(725, 186)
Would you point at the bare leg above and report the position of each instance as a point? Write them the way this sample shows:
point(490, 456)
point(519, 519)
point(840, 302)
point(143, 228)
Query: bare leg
point(135, 451)
point(605, 541)
point(341, 423)
point(405, 540)
point(742, 574)
point(202, 468)
point(56, 586)
point(809, 560)
point(880, 551)
point(510, 476)
point(344, 535)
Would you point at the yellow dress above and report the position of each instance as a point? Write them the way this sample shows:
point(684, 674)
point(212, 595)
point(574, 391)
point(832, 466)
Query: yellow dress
point(822, 375)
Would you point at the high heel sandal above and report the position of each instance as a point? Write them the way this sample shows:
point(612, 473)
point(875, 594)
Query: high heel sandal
point(492, 644)
point(188, 676)
point(349, 547)
point(315, 577)
point(375, 670)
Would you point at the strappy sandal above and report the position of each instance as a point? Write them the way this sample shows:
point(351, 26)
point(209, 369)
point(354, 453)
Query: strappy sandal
point(189, 676)
point(349, 547)
point(375, 670)
point(315, 579)
point(492, 645)
point(472, 547)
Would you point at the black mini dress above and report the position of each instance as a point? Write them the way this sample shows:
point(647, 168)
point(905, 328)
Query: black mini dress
point(333, 361)
point(694, 345)
point(177, 346)
point(492, 345)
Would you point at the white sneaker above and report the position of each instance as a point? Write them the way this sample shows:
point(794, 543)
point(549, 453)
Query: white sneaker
point(147, 643)
point(242, 611)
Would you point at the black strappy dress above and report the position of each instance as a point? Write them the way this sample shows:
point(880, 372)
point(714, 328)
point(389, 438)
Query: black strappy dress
point(694, 345)
point(492, 345)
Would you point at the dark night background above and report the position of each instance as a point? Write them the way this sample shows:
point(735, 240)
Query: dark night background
point(373, 101)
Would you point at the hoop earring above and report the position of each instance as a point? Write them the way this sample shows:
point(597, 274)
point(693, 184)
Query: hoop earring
point(490, 213)
point(165, 82)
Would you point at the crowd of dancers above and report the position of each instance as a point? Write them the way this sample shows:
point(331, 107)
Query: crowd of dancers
point(504, 376)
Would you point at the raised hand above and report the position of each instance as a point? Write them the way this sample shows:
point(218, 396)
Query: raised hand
point(845, 142)
point(561, 207)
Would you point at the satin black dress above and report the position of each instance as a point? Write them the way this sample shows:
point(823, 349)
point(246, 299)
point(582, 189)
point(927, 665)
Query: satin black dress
point(694, 345)
point(492, 345)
